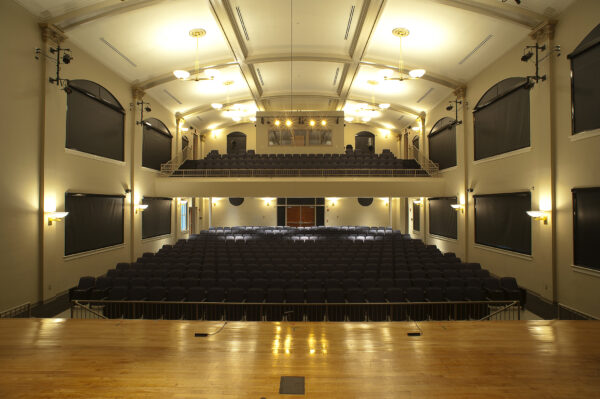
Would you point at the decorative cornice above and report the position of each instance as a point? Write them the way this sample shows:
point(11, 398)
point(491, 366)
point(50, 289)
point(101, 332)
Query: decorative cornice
point(137, 93)
point(461, 92)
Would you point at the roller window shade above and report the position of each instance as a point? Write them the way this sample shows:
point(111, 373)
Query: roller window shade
point(442, 217)
point(442, 146)
point(94, 221)
point(586, 227)
point(585, 87)
point(503, 125)
point(156, 148)
point(501, 221)
point(94, 126)
point(156, 219)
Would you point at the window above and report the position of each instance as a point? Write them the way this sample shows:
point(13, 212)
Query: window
point(95, 120)
point(156, 146)
point(365, 141)
point(184, 216)
point(501, 221)
point(156, 219)
point(501, 118)
point(442, 143)
point(416, 208)
point(184, 142)
point(585, 83)
point(442, 217)
point(365, 201)
point(94, 221)
point(586, 227)
point(236, 201)
point(300, 137)
point(236, 143)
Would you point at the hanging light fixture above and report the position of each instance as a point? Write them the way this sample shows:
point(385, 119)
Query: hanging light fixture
point(210, 74)
point(412, 74)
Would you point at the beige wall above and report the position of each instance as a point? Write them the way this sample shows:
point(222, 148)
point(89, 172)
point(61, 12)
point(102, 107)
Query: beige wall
point(348, 212)
point(20, 113)
point(253, 212)
point(384, 138)
point(576, 163)
point(217, 139)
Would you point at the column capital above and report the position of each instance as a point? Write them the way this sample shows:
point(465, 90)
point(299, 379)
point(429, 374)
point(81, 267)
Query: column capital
point(137, 93)
point(52, 33)
point(461, 92)
point(544, 31)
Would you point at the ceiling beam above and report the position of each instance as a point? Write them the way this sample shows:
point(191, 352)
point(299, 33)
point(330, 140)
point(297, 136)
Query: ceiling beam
point(223, 14)
point(298, 57)
point(169, 77)
point(498, 10)
point(96, 11)
point(431, 77)
point(369, 16)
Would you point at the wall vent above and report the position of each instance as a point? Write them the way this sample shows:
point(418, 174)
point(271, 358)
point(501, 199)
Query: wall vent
point(172, 96)
point(239, 13)
point(349, 23)
point(116, 50)
point(476, 49)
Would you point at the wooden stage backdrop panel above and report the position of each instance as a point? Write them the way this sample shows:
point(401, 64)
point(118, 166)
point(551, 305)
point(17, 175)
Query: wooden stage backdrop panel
point(56, 358)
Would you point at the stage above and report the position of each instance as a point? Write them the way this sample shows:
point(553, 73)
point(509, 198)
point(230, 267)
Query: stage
point(58, 358)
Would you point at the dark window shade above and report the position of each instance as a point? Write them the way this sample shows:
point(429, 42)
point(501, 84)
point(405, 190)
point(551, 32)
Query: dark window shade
point(586, 227)
point(156, 219)
point(442, 217)
point(94, 126)
point(94, 221)
point(503, 125)
point(184, 142)
point(320, 201)
point(280, 201)
point(442, 144)
point(320, 216)
point(156, 148)
point(416, 217)
point(236, 201)
point(300, 201)
point(585, 88)
point(281, 216)
point(501, 221)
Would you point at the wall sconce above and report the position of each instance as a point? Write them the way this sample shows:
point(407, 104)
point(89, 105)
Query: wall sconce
point(56, 217)
point(458, 207)
point(140, 208)
point(418, 202)
point(539, 215)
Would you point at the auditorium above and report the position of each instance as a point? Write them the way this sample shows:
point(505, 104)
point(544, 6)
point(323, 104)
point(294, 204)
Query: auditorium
point(280, 198)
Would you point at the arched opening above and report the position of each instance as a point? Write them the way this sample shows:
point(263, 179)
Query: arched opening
point(236, 143)
point(442, 143)
point(364, 142)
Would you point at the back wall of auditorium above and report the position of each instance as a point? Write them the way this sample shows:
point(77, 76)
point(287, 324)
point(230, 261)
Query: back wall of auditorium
point(39, 170)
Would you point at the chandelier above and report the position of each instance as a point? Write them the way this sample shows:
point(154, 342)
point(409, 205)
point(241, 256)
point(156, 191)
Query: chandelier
point(412, 74)
point(210, 74)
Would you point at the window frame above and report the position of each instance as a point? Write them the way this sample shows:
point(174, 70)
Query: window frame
point(574, 191)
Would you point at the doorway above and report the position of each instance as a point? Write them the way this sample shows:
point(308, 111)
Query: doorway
point(300, 216)
point(236, 143)
point(365, 142)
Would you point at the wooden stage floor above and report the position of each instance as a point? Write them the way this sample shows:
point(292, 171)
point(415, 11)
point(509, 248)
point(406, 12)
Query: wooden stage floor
point(57, 358)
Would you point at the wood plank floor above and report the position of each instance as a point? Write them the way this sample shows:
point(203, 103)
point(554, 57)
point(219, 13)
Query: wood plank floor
point(57, 358)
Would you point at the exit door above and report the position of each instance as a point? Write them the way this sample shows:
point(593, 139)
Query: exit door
point(300, 216)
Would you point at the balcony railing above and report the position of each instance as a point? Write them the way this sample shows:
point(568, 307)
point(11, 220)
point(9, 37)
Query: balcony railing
point(297, 173)
point(397, 311)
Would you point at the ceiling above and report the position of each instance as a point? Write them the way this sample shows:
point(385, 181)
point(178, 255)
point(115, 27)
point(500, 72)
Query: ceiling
point(307, 55)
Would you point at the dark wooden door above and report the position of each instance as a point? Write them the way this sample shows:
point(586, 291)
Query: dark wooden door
point(300, 216)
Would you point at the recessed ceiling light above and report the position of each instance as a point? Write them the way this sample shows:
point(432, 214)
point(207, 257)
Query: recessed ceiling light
point(366, 119)
point(181, 74)
point(216, 105)
point(416, 73)
point(348, 119)
point(384, 106)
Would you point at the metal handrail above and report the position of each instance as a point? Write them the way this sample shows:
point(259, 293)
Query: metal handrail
point(171, 166)
point(503, 309)
point(77, 304)
point(297, 173)
point(426, 164)
point(23, 310)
